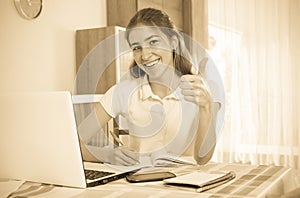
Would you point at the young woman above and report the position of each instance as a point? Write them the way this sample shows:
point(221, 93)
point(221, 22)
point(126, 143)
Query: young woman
point(167, 102)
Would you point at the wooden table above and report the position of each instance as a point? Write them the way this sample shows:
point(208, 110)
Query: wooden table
point(251, 181)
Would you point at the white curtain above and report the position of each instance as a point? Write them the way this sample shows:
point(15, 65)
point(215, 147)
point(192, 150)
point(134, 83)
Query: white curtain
point(256, 46)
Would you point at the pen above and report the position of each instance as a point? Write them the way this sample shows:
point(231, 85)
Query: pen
point(115, 137)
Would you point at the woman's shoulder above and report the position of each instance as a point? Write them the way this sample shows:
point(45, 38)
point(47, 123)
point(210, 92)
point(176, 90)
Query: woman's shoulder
point(127, 85)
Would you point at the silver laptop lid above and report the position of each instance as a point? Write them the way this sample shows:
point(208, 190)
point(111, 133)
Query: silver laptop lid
point(39, 140)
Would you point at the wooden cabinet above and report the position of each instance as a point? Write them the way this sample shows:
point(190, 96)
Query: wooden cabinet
point(88, 43)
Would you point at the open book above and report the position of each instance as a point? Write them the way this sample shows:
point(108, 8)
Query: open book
point(202, 181)
point(157, 160)
point(163, 160)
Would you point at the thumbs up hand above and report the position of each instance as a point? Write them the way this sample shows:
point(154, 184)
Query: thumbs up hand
point(195, 88)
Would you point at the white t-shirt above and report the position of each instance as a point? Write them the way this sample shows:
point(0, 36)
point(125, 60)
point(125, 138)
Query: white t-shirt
point(154, 124)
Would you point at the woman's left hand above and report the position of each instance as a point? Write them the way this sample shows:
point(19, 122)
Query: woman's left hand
point(195, 89)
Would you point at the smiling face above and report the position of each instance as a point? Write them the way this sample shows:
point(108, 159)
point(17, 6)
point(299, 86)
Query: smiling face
point(152, 50)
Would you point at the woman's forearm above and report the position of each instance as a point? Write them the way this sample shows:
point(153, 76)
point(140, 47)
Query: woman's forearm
point(206, 135)
point(86, 154)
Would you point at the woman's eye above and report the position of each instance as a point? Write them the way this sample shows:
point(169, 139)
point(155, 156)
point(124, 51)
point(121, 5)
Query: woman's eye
point(153, 42)
point(135, 48)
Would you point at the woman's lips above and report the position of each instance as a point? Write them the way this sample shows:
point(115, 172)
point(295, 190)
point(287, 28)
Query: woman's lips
point(151, 64)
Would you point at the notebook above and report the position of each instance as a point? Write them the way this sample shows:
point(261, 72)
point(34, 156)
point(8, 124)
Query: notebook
point(201, 181)
point(39, 142)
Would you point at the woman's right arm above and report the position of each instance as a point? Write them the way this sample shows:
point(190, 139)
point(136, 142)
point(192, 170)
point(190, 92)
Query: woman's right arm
point(103, 117)
point(118, 155)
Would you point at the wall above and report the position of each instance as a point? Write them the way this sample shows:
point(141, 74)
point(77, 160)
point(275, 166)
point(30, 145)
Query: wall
point(39, 55)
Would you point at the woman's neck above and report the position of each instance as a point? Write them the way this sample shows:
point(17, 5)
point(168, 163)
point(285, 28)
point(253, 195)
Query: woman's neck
point(160, 90)
point(164, 86)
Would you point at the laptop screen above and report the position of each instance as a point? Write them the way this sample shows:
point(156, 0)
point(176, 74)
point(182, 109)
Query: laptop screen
point(39, 140)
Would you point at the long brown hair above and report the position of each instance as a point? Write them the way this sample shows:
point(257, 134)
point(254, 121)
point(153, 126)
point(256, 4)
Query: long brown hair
point(160, 19)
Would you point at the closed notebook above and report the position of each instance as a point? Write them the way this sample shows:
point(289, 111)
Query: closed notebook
point(202, 181)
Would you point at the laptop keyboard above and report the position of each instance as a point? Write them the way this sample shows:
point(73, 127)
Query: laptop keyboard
point(94, 174)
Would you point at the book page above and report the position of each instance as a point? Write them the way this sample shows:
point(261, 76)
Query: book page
point(158, 160)
point(168, 159)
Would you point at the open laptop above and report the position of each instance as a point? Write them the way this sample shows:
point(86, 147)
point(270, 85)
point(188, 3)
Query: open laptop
point(39, 142)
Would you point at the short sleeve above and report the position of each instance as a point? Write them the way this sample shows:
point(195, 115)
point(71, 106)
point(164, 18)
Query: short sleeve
point(115, 100)
point(109, 101)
